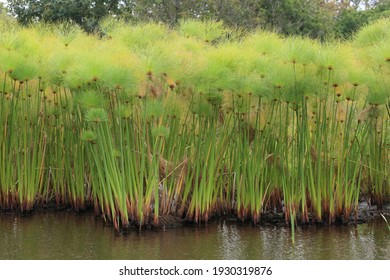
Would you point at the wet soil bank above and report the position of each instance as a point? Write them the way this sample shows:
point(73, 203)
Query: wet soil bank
point(365, 213)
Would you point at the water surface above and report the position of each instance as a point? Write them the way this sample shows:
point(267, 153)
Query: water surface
point(67, 235)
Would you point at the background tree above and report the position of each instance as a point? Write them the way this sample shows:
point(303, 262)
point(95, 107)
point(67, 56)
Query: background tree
point(314, 18)
point(246, 14)
point(85, 13)
point(298, 17)
point(350, 18)
point(169, 11)
point(304, 17)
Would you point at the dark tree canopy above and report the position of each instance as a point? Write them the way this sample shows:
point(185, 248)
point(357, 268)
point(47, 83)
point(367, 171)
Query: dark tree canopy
point(85, 13)
point(313, 18)
point(348, 21)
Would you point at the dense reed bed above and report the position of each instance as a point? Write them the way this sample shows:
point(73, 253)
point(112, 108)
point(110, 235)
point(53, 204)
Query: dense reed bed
point(144, 121)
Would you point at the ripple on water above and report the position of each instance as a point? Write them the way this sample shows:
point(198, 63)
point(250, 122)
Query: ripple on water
point(64, 235)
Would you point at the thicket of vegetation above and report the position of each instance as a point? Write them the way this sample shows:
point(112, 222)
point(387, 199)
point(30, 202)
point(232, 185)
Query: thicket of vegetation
point(148, 121)
point(313, 18)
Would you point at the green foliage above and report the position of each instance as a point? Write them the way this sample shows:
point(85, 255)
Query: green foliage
point(315, 18)
point(208, 31)
point(85, 13)
point(88, 135)
point(149, 121)
point(96, 115)
point(373, 34)
point(295, 17)
point(351, 19)
point(161, 131)
point(89, 99)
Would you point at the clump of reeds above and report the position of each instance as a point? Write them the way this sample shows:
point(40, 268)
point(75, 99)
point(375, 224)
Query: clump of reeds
point(145, 121)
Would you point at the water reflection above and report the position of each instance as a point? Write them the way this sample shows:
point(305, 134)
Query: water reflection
point(64, 235)
point(232, 246)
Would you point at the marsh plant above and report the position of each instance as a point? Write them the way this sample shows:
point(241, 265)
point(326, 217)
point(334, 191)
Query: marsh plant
point(146, 121)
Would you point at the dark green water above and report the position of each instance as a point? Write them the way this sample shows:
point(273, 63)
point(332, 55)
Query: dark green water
point(65, 235)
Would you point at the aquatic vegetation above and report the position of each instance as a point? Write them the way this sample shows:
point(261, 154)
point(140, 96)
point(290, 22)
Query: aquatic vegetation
point(387, 223)
point(145, 121)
